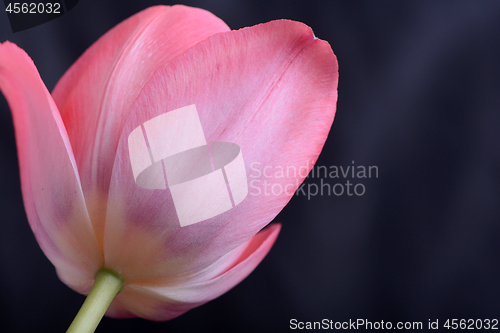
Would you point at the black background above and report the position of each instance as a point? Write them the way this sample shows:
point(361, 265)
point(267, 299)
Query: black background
point(418, 98)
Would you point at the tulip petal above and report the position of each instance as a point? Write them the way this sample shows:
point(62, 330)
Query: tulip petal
point(96, 93)
point(50, 184)
point(164, 298)
point(271, 90)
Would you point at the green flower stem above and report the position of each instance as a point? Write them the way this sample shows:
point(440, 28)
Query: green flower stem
point(107, 284)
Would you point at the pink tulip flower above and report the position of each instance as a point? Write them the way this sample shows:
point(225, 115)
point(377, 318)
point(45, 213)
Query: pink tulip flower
point(270, 89)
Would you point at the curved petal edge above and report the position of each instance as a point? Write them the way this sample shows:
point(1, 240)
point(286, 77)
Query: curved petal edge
point(156, 300)
point(56, 210)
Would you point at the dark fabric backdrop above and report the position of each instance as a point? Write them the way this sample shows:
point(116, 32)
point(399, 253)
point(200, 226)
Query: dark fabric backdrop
point(418, 98)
